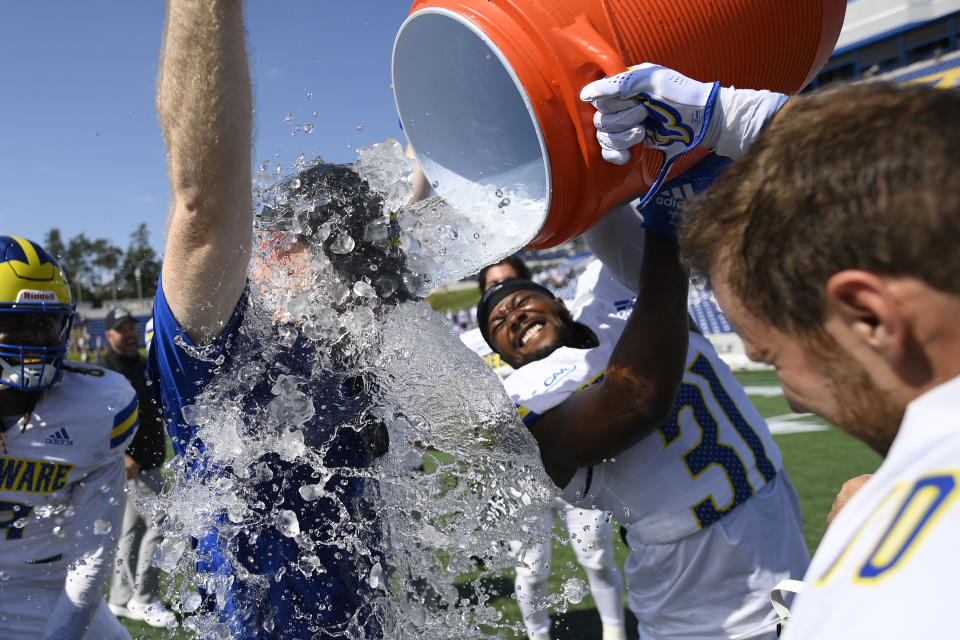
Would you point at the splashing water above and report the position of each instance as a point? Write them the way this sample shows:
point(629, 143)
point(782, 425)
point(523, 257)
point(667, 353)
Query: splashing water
point(445, 524)
point(444, 243)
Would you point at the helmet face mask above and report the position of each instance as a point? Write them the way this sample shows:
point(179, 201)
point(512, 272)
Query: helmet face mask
point(36, 316)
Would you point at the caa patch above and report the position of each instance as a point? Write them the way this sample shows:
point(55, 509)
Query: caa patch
point(558, 375)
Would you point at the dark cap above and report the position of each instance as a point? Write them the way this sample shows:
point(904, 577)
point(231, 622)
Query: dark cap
point(117, 316)
point(492, 297)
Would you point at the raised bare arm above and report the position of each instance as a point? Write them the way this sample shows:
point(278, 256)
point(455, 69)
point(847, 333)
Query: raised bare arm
point(641, 380)
point(205, 108)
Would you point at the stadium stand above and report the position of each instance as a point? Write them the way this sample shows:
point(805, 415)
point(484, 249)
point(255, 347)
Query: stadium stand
point(880, 37)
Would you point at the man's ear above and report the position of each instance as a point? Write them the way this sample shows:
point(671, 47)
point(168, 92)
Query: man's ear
point(560, 302)
point(864, 302)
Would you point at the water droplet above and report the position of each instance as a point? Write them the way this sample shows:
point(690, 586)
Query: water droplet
point(498, 193)
point(168, 553)
point(262, 180)
point(364, 289)
point(342, 244)
point(361, 127)
point(102, 527)
point(286, 521)
point(288, 117)
point(376, 576)
point(311, 491)
point(191, 602)
point(574, 590)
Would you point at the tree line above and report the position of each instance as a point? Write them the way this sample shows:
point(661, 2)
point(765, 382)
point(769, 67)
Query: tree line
point(99, 271)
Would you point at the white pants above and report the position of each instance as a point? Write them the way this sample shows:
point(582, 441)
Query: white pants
point(591, 535)
point(26, 602)
point(715, 584)
point(134, 580)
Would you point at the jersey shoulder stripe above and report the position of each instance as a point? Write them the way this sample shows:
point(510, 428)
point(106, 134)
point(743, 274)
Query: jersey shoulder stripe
point(125, 423)
point(528, 416)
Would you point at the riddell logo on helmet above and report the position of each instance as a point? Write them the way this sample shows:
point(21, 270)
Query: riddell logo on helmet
point(36, 296)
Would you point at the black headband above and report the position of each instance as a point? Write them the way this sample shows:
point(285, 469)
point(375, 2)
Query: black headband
point(492, 297)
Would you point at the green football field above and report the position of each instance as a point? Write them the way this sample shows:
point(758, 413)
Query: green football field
point(818, 458)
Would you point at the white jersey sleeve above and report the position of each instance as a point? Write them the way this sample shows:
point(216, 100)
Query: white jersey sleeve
point(62, 480)
point(618, 241)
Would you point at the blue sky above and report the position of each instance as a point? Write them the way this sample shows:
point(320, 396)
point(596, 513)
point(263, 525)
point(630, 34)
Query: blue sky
point(80, 147)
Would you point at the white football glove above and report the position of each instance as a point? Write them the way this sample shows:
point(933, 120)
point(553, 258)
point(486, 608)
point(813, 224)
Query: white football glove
point(650, 104)
point(667, 111)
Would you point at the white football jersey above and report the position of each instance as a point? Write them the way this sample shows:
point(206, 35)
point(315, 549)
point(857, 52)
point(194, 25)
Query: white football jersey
point(713, 453)
point(78, 429)
point(886, 567)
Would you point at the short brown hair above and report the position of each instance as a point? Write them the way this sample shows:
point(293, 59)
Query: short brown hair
point(519, 266)
point(866, 176)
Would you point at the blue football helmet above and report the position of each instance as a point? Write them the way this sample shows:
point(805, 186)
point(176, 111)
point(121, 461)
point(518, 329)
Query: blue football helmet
point(36, 315)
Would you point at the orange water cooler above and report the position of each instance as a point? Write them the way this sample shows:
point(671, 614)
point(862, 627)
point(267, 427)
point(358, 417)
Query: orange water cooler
point(490, 88)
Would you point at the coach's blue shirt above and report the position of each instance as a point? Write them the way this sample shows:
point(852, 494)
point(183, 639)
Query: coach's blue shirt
point(270, 596)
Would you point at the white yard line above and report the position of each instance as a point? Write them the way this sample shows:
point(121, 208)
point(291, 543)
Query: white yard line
point(795, 423)
point(788, 422)
point(767, 391)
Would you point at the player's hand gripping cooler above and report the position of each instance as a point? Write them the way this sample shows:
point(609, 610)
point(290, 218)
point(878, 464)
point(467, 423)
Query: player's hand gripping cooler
point(673, 114)
point(653, 105)
point(488, 94)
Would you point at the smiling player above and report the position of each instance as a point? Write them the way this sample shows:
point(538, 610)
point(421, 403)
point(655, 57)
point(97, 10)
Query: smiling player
point(637, 415)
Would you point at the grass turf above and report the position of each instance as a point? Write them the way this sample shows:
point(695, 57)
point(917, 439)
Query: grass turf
point(454, 300)
point(818, 462)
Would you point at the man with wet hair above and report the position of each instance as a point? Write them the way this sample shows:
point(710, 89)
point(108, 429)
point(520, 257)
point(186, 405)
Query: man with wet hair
point(832, 248)
point(254, 381)
point(331, 208)
point(636, 414)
